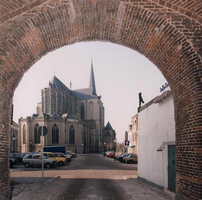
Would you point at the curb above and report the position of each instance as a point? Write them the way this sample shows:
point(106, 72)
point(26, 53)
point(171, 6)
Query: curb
point(21, 189)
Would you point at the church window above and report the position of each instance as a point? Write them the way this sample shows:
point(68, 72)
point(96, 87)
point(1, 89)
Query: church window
point(54, 102)
point(64, 105)
point(55, 134)
point(24, 135)
point(71, 135)
point(70, 107)
point(36, 135)
point(82, 111)
point(67, 105)
point(91, 110)
point(59, 103)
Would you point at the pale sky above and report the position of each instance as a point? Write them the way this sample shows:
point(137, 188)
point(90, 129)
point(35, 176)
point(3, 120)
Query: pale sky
point(120, 74)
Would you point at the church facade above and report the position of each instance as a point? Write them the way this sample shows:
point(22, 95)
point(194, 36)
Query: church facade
point(74, 118)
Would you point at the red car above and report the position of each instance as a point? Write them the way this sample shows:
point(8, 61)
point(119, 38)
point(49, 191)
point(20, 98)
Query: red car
point(68, 158)
point(111, 154)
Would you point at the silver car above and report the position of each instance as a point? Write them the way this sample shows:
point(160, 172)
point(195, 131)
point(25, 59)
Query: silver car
point(36, 160)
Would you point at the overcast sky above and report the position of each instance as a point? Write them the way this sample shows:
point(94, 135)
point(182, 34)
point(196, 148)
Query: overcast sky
point(120, 74)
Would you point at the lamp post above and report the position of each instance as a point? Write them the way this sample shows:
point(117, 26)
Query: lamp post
point(115, 150)
point(105, 146)
point(13, 139)
point(30, 143)
point(115, 145)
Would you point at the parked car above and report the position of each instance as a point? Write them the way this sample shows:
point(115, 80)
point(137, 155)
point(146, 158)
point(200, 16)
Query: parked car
point(120, 158)
point(17, 156)
point(111, 154)
point(12, 162)
point(118, 154)
point(71, 156)
point(50, 155)
point(36, 160)
point(68, 157)
point(71, 153)
point(107, 153)
point(130, 159)
point(61, 160)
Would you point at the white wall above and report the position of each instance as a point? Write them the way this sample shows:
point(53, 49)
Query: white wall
point(156, 126)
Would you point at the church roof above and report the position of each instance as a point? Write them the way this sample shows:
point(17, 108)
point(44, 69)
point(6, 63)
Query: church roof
point(83, 96)
point(108, 126)
point(88, 91)
point(92, 80)
point(56, 83)
point(55, 115)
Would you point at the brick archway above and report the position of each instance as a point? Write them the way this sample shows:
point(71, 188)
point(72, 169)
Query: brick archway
point(167, 33)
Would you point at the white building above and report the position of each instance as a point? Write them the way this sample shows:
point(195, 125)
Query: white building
point(156, 142)
point(132, 135)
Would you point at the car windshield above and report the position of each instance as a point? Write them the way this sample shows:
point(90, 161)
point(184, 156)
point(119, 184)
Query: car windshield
point(13, 155)
point(44, 157)
point(57, 155)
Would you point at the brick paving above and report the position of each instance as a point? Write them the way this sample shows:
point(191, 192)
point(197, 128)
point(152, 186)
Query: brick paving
point(86, 177)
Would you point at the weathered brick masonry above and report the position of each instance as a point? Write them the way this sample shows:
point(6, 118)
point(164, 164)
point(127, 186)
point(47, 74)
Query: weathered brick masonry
point(167, 32)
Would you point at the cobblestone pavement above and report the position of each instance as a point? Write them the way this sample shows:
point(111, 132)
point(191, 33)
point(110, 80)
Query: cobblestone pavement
point(89, 176)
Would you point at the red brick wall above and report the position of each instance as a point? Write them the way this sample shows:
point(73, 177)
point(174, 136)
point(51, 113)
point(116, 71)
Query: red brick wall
point(167, 32)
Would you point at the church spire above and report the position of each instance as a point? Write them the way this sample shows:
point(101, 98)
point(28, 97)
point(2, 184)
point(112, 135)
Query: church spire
point(92, 80)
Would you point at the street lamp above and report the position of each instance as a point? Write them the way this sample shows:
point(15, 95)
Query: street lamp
point(115, 145)
point(13, 138)
point(115, 150)
point(30, 143)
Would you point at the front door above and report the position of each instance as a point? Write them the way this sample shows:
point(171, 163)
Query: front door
point(171, 167)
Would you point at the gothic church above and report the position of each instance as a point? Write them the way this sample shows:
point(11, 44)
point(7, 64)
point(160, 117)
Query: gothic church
point(74, 118)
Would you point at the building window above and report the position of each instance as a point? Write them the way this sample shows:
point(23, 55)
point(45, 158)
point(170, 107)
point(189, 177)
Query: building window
point(64, 104)
point(55, 134)
point(24, 134)
point(91, 110)
point(71, 135)
point(36, 135)
point(54, 102)
point(59, 103)
point(82, 111)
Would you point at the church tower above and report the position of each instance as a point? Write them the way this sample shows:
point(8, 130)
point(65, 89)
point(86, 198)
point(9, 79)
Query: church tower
point(92, 80)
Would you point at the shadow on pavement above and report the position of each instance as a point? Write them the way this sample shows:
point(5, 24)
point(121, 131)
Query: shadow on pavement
point(24, 185)
point(80, 189)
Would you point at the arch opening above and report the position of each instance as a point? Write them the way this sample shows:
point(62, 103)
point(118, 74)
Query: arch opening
point(127, 24)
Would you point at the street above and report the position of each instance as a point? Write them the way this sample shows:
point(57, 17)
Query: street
point(88, 176)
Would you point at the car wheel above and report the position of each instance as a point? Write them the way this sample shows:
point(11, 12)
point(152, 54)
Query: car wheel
point(60, 163)
point(48, 165)
point(26, 165)
point(130, 162)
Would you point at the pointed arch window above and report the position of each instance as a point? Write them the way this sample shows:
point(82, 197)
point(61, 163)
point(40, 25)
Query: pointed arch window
point(36, 135)
point(71, 135)
point(82, 111)
point(64, 104)
point(55, 134)
point(59, 103)
point(24, 134)
point(91, 110)
point(54, 102)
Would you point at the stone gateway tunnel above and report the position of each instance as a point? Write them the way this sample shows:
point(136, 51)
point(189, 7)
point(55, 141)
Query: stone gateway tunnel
point(167, 32)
